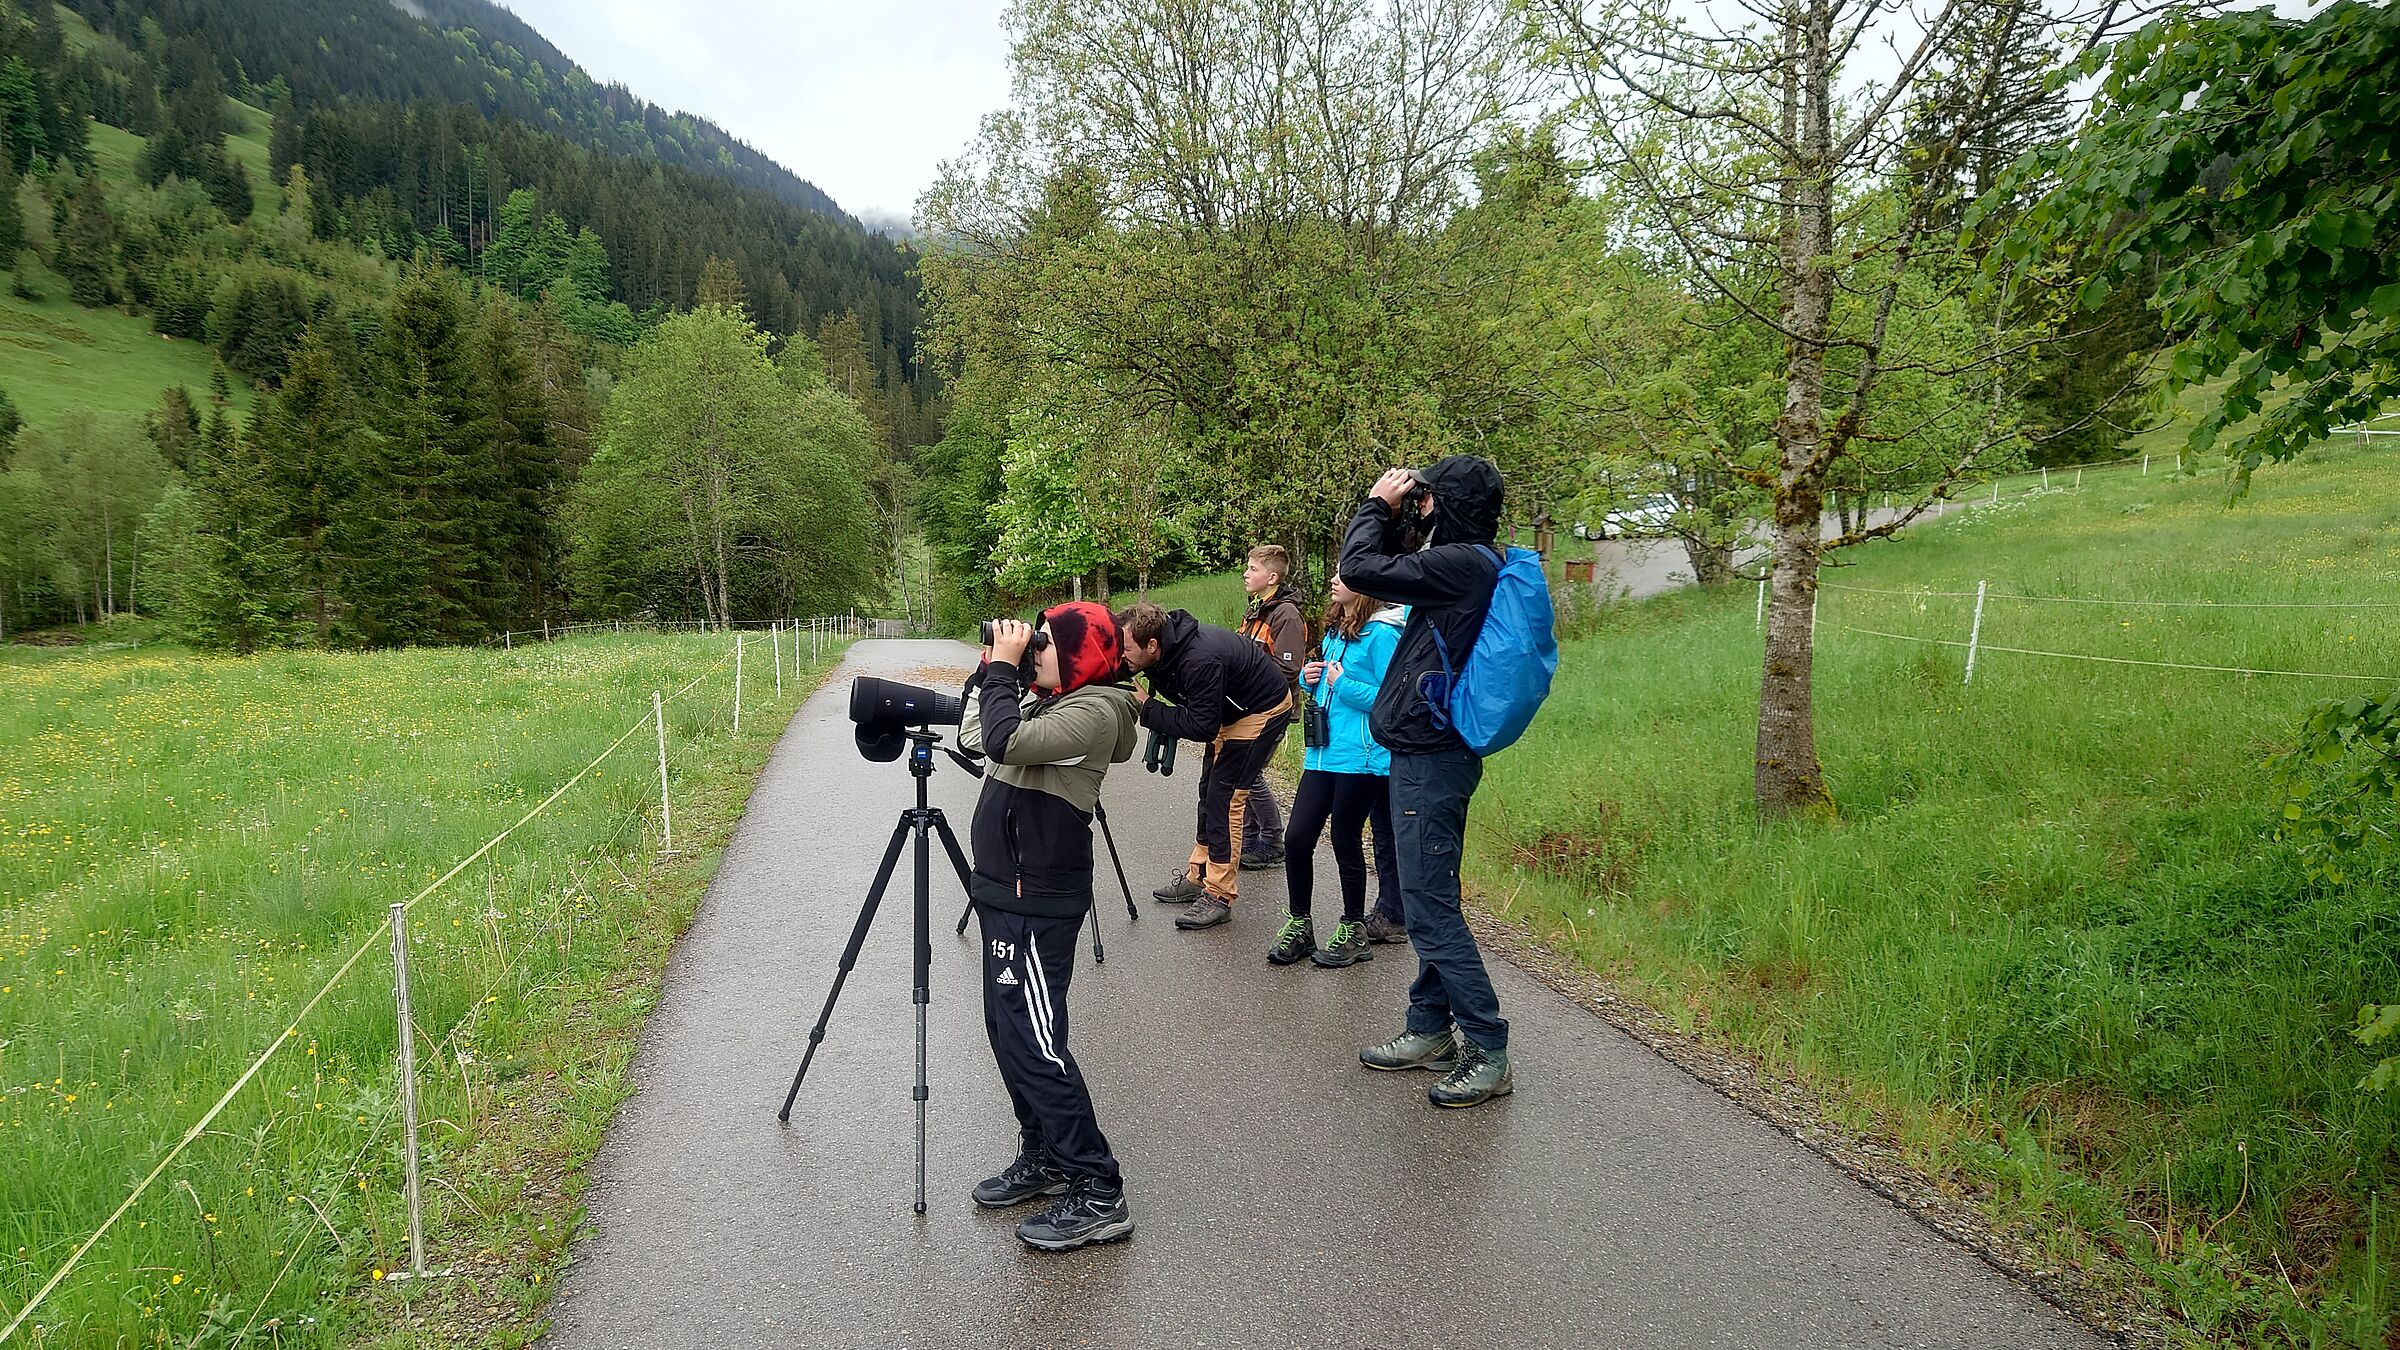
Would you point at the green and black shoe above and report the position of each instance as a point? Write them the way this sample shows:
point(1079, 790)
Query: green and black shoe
point(1348, 948)
point(1479, 1076)
point(1295, 940)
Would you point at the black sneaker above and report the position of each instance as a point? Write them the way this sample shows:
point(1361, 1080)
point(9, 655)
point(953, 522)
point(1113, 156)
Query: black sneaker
point(1381, 928)
point(1206, 912)
point(1296, 939)
point(1087, 1214)
point(1181, 891)
point(1261, 860)
point(1348, 948)
point(1019, 1182)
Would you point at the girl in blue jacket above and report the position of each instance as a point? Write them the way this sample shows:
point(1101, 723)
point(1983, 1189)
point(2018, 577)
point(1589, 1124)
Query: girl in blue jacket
point(1345, 781)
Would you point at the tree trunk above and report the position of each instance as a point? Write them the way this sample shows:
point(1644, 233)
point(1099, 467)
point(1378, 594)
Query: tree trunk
point(1141, 584)
point(1712, 564)
point(1100, 583)
point(1787, 776)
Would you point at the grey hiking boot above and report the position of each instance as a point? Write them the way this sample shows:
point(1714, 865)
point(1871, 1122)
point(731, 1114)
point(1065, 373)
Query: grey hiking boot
point(1263, 859)
point(1181, 891)
point(1296, 939)
point(1206, 912)
point(1087, 1215)
point(1019, 1182)
point(1383, 928)
point(1348, 948)
point(1437, 1051)
point(1479, 1076)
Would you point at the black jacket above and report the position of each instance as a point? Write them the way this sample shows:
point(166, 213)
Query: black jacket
point(1213, 676)
point(1447, 585)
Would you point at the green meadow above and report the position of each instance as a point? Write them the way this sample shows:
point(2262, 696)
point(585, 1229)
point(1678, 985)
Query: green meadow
point(191, 848)
point(2051, 945)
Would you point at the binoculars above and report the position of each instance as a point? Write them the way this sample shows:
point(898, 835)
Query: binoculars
point(1040, 638)
point(1159, 757)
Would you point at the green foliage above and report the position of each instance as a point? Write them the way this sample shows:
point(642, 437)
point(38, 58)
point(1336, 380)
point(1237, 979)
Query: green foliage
point(87, 244)
point(2343, 779)
point(2246, 159)
point(721, 488)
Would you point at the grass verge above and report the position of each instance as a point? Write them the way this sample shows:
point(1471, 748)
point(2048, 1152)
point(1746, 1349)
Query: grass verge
point(192, 847)
point(2051, 950)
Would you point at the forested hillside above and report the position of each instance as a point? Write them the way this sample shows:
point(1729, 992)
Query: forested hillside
point(434, 302)
point(467, 52)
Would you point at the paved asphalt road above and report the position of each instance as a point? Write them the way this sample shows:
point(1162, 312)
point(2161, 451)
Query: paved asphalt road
point(1284, 1196)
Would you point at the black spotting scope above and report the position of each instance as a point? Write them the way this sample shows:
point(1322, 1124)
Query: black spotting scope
point(884, 709)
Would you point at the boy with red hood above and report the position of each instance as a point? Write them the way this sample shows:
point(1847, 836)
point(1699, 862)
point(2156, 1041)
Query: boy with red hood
point(1048, 748)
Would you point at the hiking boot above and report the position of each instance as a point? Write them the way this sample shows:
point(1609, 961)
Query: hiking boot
point(1086, 1215)
point(1262, 859)
point(1479, 1076)
point(1019, 1182)
point(1437, 1051)
point(1297, 938)
point(1348, 948)
point(1382, 928)
point(1181, 891)
point(1206, 912)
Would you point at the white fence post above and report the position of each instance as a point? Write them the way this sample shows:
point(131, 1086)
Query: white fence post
point(408, 1088)
point(737, 684)
point(775, 636)
point(2145, 466)
point(666, 819)
point(1759, 619)
point(1975, 633)
point(1995, 492)
point(2079, 477)
point(2045, 478)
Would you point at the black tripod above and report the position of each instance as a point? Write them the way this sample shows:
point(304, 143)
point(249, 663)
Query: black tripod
point(1099, 954)
point(921, 821)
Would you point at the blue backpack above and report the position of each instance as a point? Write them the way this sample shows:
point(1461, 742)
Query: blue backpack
point(1492, 698)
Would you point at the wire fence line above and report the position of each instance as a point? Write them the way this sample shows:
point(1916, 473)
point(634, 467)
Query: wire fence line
point(2113, 660)
point(1925, 592)
point(375, 937)
point(834, 627)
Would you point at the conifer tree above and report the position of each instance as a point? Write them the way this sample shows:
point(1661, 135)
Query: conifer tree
point(515, 471)
point(87, 245)
point(415, 568)
point(307, 443)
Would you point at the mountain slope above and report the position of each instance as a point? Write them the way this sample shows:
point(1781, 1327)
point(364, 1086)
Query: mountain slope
point(468, 52)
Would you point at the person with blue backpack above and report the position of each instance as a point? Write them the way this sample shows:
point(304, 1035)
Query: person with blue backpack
point(1472, 665)
point(1344, 780)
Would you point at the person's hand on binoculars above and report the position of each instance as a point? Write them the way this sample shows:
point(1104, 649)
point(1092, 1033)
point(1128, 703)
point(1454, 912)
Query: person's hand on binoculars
point(1009, 640)
point(1393, 487)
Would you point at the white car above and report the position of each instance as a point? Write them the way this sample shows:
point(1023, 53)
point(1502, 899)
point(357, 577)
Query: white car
point(1650, 516)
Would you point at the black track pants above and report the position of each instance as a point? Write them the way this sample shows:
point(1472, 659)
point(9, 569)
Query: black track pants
point(1026, 964)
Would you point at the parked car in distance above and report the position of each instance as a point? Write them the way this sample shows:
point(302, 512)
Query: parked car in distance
point(1647, 518)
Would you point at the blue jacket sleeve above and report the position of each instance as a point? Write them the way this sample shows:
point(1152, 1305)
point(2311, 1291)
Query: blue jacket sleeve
point(1374, 563)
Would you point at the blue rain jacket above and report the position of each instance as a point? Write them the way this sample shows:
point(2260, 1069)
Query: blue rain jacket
point(1363, 659)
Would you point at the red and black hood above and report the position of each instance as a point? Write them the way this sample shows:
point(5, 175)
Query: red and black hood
point(1090, 649)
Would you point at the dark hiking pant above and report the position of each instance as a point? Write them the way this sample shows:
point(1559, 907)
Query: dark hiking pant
point(1429, 816)
point(1026, 965)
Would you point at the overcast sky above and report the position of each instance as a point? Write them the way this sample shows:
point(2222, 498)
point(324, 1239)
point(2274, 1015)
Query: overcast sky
point(861, 100)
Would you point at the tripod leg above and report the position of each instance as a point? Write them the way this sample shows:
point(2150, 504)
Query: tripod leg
point(923, 994)
point(858, 939)
point(958, 860)
point(1100, 813)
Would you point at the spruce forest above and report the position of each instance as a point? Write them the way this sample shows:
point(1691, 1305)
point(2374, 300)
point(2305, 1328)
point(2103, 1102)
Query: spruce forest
point(419, 256)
